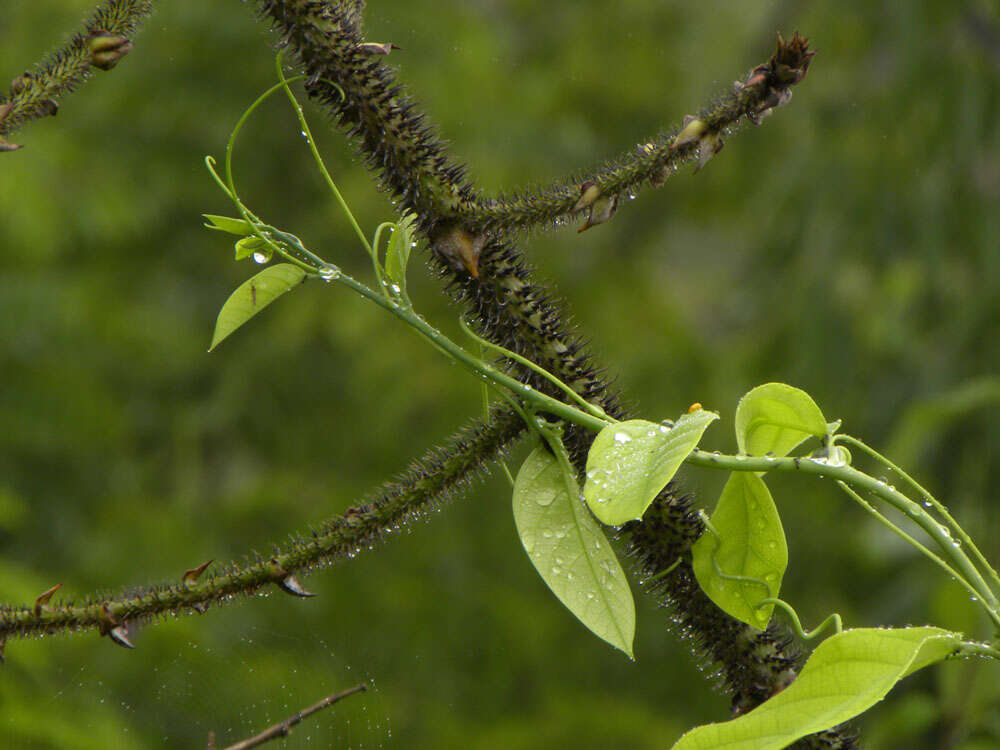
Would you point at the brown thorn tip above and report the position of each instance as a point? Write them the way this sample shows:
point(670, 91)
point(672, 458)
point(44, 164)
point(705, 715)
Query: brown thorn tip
point(44, 598)
point(192, 575)
point(119, 635)
point(290, 585)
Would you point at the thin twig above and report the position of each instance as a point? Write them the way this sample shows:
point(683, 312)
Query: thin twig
point(284, 728)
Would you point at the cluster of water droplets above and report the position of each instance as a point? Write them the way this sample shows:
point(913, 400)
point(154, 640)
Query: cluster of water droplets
point(329, 273)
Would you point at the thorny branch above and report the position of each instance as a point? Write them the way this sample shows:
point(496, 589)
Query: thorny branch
point(472, 250)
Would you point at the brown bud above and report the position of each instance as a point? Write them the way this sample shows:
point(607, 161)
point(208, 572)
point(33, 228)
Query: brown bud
point(44, 598)
point(8, 146)
point(19, 84)
point(290, 585)
point(377, 48)
point(107, 49)
point(191, 576)
point(49, 107)
point(200, 607)
point(460, 248)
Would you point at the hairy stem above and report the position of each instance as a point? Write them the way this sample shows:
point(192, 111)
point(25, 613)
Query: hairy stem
point(485, 272)
point(435, 477)
point(99, 45)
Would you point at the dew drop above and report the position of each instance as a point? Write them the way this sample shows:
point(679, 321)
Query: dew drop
point(329, 273)
point(556, 570)
point(621, 437)
point(260, 257)
point(544, 499)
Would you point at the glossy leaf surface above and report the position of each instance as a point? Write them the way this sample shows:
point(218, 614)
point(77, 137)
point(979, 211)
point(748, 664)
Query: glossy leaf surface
point(752, 546)
point(847, 674)
point(774, 418)
point(569, 550)
point(254, 295)
point(630, 462)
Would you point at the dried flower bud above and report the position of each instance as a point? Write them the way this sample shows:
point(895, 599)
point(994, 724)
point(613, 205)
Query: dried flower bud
point(460, 248)
point(107, 49)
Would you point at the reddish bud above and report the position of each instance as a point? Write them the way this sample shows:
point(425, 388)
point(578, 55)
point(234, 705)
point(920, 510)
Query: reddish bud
point(107, 49)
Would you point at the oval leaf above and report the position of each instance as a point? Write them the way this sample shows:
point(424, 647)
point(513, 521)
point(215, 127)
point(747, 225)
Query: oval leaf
point(397, 255)
point(570, 552)
point(630, 462)
point(254, 295)
point(227, 224)
point(847, 674)
point(774, 418)
point(753, 546)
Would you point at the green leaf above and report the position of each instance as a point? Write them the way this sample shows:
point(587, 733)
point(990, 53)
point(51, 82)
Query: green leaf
point(774, 418)
point(254, 295)
point(630, 462)
point(847, 674)
point(251, 246)
point(397, 255)
point(753, 546)
point(569, 550)
point(227, 224)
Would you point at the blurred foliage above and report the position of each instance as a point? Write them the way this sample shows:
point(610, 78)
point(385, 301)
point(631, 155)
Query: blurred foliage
point(848, 246)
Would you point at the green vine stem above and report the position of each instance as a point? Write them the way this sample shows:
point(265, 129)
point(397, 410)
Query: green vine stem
point(832, 620)
point(99, 45)
point(950, 549)
point(929, 501)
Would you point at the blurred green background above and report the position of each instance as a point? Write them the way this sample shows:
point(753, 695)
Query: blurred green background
point(849, 246)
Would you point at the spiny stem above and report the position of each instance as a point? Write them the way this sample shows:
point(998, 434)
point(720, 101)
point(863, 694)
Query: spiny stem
point(766, 87)
point(432, 479)
point(100, 44)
